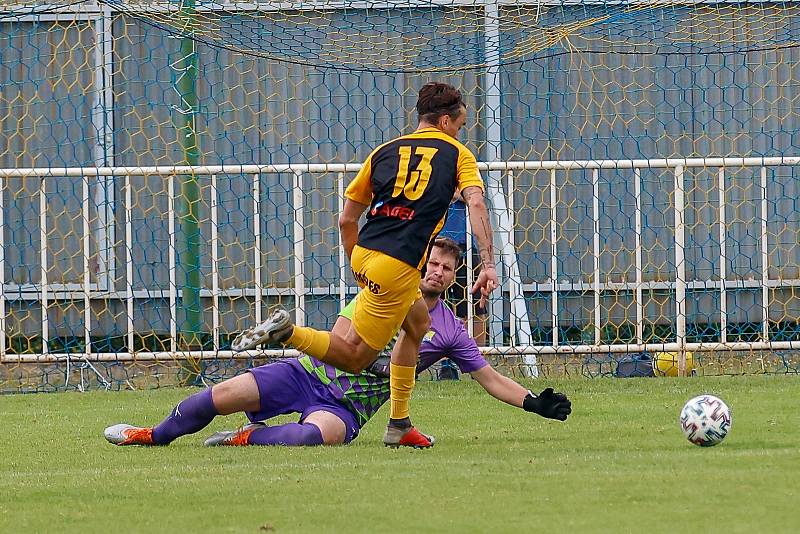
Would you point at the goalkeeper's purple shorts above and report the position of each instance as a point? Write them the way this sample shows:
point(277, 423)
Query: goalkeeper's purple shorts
point(285, 387)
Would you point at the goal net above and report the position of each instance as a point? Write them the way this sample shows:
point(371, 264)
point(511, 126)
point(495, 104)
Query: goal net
point(171, 170)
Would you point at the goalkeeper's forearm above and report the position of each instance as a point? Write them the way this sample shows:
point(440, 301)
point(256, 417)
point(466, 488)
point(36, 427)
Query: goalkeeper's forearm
point(500, 387)
point(547, 404)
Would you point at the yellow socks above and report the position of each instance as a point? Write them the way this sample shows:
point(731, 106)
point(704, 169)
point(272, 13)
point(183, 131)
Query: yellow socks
point(401, 384)
point(309, 341)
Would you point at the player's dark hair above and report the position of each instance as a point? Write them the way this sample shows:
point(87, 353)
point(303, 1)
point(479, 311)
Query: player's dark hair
point(449, 247)
point(437, 99)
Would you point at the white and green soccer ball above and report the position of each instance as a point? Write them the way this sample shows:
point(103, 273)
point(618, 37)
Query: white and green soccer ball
point(705, 420)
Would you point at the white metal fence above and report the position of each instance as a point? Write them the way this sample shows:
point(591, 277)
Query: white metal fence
point(511, 302)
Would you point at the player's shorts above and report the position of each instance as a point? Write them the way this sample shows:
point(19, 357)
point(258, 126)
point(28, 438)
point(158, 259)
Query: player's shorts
point(285, 387)
point(388, 289)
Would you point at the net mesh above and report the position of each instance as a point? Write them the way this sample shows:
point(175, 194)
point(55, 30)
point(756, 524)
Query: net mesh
point(108, 278)
point(426, 35)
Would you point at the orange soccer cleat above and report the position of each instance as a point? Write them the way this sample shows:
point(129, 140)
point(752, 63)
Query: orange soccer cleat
point(407, 437)
point(123, 434)
point(232, 438)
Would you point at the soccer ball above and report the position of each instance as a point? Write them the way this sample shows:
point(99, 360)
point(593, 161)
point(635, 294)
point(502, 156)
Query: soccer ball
point(666, 363)
point(705, 420)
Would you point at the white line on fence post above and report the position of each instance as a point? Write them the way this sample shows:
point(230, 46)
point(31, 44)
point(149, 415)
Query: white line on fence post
point(554, 257)
point(257, 245)
point(492, 112)
point(43, 261)
point(87, 302)
point(129, 259)
point(680, 269)
point(723, 260)
point(173, 274)
point(637, 188)
point(764, 259)
point(214, 263)
point(298, 205)
point(342, 252)
point(596, 252)
point(103, 122)
point(502, 237)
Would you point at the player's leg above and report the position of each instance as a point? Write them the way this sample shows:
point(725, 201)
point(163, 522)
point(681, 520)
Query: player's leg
point(192, 414)
point(196, 412)
point(332, 428)
point(392, 299)
point(380, 307)
point(349, 351)
point(344, 329)
point(402, 377)
point(323, 420)
point(384, 300)
point(283, 387)
point(239, 394)
point(320, 427)
point(404, 361)
point(381, 304)
point(346, 351)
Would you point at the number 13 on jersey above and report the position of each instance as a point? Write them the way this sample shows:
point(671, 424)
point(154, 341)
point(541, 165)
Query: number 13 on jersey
point(413, 183)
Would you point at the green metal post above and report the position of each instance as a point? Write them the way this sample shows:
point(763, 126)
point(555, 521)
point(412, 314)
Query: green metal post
point(188, 202)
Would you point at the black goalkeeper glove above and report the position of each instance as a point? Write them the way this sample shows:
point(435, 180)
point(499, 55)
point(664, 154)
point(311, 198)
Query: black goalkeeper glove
point(548, 404)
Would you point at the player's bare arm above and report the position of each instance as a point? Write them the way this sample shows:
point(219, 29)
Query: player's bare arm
point(348, 224)
point(479, 220)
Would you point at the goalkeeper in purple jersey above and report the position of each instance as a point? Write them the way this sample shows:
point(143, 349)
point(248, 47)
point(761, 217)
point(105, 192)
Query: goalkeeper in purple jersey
point(334, 405)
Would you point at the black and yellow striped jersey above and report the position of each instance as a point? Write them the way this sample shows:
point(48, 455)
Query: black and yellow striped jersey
point(408, 184)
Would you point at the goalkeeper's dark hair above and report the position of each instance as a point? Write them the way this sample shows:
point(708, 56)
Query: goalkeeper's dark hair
point(449, 247)
point(437, 99)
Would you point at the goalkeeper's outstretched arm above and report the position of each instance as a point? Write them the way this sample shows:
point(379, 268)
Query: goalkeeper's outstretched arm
point(547, 403)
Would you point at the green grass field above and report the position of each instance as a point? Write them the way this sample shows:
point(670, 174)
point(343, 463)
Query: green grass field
point(620, 464)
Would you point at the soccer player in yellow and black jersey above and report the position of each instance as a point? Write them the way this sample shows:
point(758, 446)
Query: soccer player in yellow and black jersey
point(406, 186)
